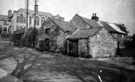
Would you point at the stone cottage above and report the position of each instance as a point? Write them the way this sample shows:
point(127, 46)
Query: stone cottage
point(116, 32)
point(53, 33)
point(92, 39)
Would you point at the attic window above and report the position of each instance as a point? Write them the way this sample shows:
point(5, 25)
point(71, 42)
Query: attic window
point(47, 30)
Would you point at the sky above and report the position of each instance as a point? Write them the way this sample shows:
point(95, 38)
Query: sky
point(115, 11)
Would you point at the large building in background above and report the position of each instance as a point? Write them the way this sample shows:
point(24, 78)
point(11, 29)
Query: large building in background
point(18, 19)
point(4, 24)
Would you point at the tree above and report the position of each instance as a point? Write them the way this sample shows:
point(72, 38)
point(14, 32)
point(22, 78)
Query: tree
point(122, 27)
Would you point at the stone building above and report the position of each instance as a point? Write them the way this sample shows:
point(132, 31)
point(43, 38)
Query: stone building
point(116, 32)
point(93, 38)
point(54, 33)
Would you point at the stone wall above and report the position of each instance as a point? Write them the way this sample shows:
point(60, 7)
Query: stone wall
point(82, 47)
point(102, 44)
point(60, 41)
point(79, 22)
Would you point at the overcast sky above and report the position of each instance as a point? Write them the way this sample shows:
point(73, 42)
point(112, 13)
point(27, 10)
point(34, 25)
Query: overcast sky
point(115, 11)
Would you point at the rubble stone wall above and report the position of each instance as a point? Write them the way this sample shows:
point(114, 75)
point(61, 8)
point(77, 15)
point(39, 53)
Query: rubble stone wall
point(60, 41)
point(102, 44)
point(82, 47)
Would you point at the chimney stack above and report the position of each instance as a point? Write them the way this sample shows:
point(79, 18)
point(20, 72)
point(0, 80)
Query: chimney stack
point(9, 13)
point(94, 17)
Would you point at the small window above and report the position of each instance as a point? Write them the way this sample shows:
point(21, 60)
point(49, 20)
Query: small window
point(47, 30)
point(17, 19)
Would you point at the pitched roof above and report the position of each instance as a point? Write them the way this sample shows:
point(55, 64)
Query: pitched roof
point(31, 12)
point(65, 26)
point(92, 23)
point(3, 17)
point(111, 27)
point(84, 33)
point(107, 26)
point(116, 28)
point(83, 22)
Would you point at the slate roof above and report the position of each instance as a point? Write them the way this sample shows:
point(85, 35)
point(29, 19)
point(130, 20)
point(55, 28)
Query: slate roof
point(65, 26)
point(84, 23)
point(84, 33)
point(116, 28)
point(31, 12)
point(107, 26)
point(3, 17)
point(92, 23)
point(111, 27)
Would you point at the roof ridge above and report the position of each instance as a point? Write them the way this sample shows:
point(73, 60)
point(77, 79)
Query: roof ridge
point(30, 10)
point(84, 20)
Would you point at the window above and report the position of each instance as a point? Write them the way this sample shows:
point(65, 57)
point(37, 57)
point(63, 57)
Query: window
point(47, 30)
point(24, 21)
point(21, 18)
point(5, 22)
point(17, 19)
point(30, 20)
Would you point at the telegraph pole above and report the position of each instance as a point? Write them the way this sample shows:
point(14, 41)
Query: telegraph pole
point(27, 16)
point(36, 11)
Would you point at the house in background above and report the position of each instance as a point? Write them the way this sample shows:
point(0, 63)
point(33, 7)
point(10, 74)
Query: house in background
point(93, 38)
point(53, 33)
point(18, 19)
point(4, 24)
point(116, 32)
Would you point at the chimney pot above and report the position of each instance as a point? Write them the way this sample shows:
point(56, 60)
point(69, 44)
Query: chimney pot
point(95, 14)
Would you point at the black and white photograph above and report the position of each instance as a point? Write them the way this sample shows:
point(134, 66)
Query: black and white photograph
point(67, 40)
